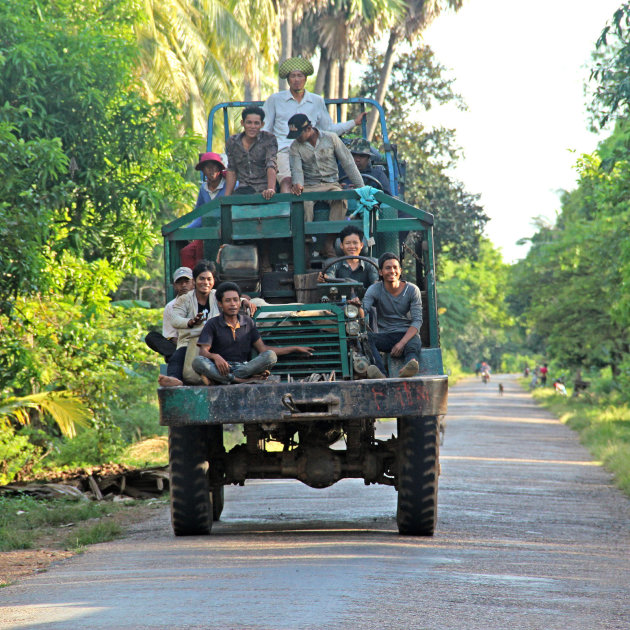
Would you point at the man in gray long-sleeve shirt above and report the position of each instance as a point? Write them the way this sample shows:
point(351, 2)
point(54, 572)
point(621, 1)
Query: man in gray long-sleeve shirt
point(399, 315)
point(313, 157)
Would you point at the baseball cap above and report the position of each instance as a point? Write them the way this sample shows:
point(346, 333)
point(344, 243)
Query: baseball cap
point(297, 124)
point(182, 272)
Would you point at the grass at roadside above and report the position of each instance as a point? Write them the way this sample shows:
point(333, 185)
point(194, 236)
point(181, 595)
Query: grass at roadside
point(603, 425)
point(26, 522)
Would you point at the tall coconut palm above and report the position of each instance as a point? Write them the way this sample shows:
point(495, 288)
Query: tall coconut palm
point(343, 30)
point(199, 52)
point(418, 15)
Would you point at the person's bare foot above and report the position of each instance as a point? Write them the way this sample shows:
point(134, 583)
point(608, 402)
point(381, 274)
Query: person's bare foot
point(206, 380)
point(169, 381)
point(257, 378)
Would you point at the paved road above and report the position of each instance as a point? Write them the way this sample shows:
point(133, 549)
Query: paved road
point(531, 536)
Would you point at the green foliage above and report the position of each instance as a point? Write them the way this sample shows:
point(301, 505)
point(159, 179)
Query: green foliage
point(573, 284)
point(417, 83)
point(103, 531)
point(611, 69)
point(16, 452)
point(473, 315)
point(56, 346)
point(87, 162)
point(23, 519)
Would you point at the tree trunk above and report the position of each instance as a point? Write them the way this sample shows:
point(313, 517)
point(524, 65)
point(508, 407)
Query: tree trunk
point(322, 72)
point(344, 85)
point(383, 83)
point(286, 37)
point(332, 86)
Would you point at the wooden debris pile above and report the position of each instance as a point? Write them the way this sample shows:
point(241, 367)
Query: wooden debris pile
point(112, 482)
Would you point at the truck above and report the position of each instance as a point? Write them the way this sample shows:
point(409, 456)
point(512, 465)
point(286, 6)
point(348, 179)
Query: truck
point(316, 420)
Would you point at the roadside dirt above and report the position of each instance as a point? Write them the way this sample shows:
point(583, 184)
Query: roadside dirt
point(51, 547)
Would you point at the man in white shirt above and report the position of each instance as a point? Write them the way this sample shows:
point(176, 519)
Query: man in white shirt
point(281, 106)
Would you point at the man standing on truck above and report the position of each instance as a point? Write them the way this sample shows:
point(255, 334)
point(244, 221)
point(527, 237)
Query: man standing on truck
point(313, 156)
point(252, 157)
point(399, 314)
point(226, 342)
point(281, 106)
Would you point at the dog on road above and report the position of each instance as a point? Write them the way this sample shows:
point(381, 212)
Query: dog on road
point(500, 389)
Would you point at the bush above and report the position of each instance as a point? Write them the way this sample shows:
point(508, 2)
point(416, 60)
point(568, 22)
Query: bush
point(16, 452)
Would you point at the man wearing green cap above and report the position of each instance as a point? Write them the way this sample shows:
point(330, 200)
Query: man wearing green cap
point(362, 154)
point(281, 106)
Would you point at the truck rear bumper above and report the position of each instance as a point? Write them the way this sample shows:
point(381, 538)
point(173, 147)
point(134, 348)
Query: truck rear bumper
point(303, 402)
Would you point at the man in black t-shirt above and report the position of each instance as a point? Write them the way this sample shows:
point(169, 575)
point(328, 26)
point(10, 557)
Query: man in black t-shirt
point(226, 342)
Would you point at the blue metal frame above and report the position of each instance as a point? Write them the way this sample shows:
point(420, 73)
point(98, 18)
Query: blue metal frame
point(392, 166)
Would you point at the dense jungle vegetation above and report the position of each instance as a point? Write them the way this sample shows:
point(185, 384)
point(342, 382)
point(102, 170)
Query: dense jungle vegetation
point(100, 112)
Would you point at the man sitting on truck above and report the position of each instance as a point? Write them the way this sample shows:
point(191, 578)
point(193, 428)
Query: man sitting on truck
point(226, 342)
point(313, 156)
point(351, 243)
point(252, 157)
point(362, 154)
point(399, 313)
point(281, 106)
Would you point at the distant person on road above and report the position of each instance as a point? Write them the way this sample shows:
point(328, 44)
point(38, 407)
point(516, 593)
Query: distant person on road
point(252, 157)
point(544, 370)
point(280, 107)
point(399, 312)
point(226, 342)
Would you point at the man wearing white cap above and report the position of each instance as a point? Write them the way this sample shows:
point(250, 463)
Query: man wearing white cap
point(166, 343)
point(281, 106)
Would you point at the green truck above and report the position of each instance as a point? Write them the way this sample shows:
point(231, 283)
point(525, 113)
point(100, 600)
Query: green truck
point(316, 421)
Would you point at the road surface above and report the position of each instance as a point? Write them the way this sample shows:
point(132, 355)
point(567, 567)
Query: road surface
point(531, 535)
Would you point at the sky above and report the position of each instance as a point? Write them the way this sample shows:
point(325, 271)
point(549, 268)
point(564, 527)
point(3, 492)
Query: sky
point(521, 68)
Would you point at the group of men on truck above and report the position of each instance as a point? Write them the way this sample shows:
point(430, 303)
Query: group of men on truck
point(291, 142)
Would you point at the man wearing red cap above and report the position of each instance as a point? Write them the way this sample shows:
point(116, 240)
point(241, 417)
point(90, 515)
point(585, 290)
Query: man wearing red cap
point(213, 185)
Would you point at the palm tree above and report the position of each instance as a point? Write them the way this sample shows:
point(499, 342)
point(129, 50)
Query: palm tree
point(65, 409)
point(343, 30)
point(419, 14)
point(200, 52)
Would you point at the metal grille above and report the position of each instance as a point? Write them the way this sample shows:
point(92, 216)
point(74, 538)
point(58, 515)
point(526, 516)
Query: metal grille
point(323, 330)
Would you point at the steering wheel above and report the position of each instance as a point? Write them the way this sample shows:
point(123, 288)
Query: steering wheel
point(336, 260)
point(372, 181)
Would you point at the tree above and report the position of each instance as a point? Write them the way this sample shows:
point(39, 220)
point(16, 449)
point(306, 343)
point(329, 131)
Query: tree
point(342, 30)
point(575, 275)
point(197, 53)
point(418, 15)
point(611, 69)
point(418, 82)
point(474, 318)
point(89, 162)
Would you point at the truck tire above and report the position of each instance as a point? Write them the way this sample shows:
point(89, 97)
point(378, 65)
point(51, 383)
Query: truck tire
point(418, 469)
point(217, 502)
point(191, 501)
